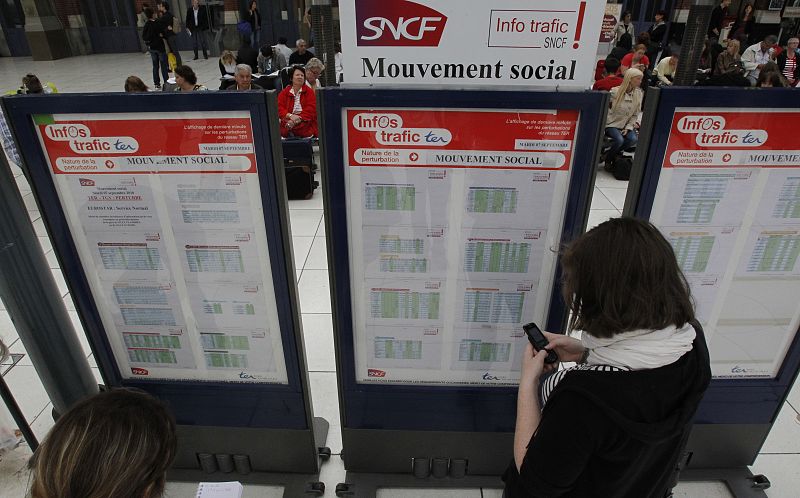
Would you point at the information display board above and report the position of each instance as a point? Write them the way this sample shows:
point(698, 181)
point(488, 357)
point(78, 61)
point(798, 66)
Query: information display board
point(166, 232)
point(170, 223)
point(720, 178)
point(729, 202)
point(454, 236)
point(445, 212)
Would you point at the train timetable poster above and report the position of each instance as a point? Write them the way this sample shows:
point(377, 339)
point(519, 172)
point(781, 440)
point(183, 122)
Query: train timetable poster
point(728, 200)
point(454, 222)
point(166, 214)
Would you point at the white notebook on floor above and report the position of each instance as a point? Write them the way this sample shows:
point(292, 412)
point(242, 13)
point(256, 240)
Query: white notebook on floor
point(232, 489)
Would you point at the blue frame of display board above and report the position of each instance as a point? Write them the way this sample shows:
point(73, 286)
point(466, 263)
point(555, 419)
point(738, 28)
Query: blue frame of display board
point(431, 408)
point(194, 403)
point(727, 401)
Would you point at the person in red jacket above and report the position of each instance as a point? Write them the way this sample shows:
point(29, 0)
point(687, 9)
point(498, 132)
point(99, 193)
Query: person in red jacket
point(297, 107)
point(611, 78)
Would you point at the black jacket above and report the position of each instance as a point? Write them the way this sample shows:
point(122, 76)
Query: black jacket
point(614, 434)
point(254, 18)
point(248, 55)
point(151, 35)
point(202, 19)
point(782, 64)
point(165, 23)
point(297, 58)
point(717, 16)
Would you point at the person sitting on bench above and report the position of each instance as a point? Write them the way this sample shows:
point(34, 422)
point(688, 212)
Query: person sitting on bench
point(297, 107)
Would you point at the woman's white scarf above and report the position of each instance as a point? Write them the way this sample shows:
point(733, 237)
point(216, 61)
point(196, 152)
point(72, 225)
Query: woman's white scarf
point(640, 349)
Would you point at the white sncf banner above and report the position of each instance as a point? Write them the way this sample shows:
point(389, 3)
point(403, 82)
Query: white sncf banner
point(471, 42)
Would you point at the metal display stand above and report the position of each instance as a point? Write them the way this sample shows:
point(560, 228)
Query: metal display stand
point(736, 415)
point(250, 430)
point(422, 436)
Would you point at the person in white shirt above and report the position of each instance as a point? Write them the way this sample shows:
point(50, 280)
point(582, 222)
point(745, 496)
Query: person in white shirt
point(281, 45)
point(665, 70)
point(337, 63)
point(756, 56)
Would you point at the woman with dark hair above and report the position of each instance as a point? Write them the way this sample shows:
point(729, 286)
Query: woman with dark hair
point(186, 80)
point(118, 444)
point(297, 106)
point(624, 45)
point(254, 18)
point(31, 84)
point(624, 27)
point(135, 84)
point(657, 32)
point(743, 26)
point(615, 424)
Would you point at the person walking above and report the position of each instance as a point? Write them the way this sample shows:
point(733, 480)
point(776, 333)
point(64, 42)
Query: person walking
point(197, 27)
point(169, 28)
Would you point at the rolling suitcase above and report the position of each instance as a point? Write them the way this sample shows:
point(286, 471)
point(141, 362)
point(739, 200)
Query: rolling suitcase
point(300, 182)
point(298, 152)
point(299, 167)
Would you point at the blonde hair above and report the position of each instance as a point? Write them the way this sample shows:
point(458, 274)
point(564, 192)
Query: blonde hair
point(626, 86)
point(734, 43)
point(118, 444)
point(315, 64)
point(227, 57)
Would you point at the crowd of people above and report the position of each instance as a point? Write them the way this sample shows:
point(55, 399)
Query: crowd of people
point(295, 72)
point(730, 60)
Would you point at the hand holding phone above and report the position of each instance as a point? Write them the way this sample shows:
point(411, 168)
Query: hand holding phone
point(539, 341)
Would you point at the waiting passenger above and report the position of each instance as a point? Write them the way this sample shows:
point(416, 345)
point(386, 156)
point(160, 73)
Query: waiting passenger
point(665, 70)
point(301, 55)
point(314, 68)
point(297, 107)
point(636, 59)
point(614, 425)
point(117, 444)
point(622, 121)
point(227, 63)
point(756, 56)
point(243, 77)
point(788, 62)
point(186, 80)
point(135, 84)
point(729, 61)
point(610, 77)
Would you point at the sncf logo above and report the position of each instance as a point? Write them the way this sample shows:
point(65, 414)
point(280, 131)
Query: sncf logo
point(397, 23)
point(374, 372)
point(139, 371)
point(86, 182)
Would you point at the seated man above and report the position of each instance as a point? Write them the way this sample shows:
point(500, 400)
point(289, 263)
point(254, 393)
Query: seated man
point(243, 79)
point(301, 55)
point(610, 78)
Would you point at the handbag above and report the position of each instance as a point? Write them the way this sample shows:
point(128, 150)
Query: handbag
point(176, 25)
point(172, 61)
point(244, 28)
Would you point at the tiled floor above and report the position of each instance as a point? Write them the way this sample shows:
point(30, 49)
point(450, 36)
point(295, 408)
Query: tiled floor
point(780, 458)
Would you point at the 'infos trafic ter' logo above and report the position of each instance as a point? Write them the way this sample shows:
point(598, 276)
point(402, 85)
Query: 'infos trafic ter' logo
point(397, 23)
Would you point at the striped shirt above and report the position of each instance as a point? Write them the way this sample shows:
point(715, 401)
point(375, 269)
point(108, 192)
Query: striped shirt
point(788, 69)
point(550, 383)
point(297, 109)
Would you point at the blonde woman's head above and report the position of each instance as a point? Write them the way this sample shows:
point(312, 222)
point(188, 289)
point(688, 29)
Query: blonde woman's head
point(228, 57)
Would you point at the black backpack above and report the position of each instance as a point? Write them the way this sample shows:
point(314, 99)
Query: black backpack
point(621, 168)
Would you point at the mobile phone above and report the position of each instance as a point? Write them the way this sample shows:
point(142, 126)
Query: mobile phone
point(539, 341)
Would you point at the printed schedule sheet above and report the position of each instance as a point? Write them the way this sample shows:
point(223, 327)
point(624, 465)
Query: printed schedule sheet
point(728, 201)
point(455, 217)
point(166, 216)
